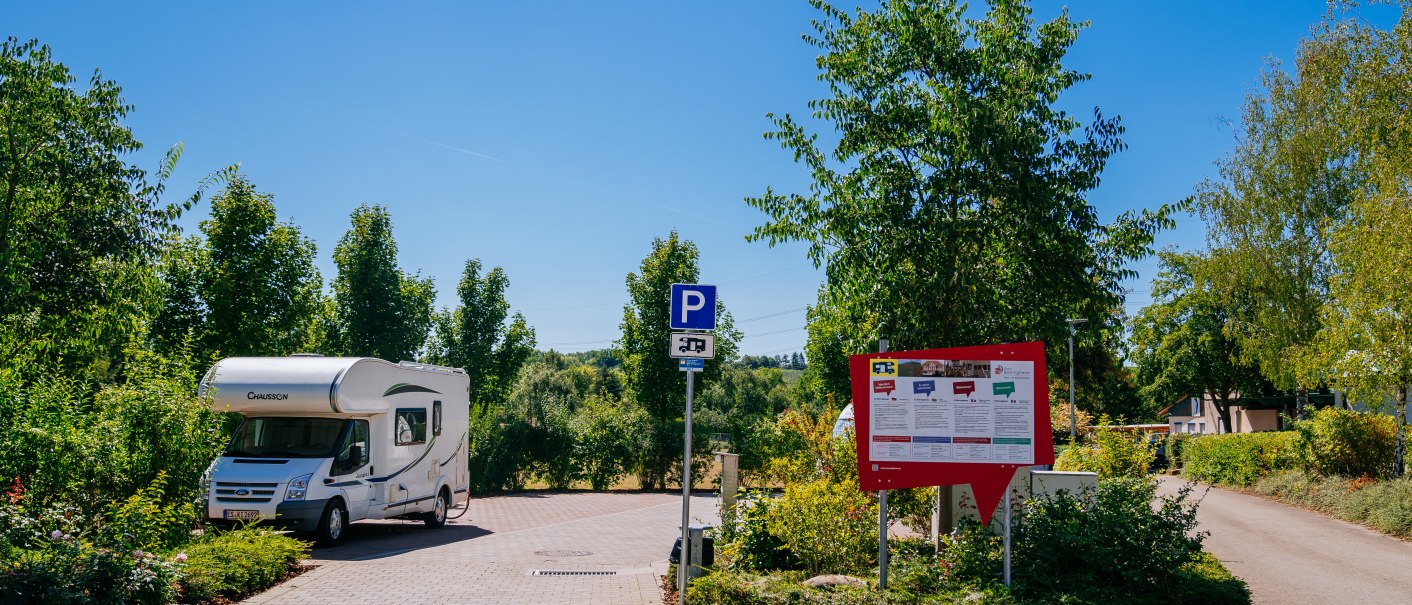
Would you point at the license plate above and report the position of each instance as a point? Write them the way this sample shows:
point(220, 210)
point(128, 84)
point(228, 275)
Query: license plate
point(244, 515)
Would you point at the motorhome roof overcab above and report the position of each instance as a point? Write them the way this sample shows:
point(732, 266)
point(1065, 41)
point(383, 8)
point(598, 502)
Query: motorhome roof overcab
point(326, 441)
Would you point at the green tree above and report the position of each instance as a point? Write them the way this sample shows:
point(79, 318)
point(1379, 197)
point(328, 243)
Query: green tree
point(476, 337)
point(951, 210)
point(1180, 342)
point(1366, 333)
point(1367, 329)
point(377, 309)
point(250, 288)
point(79, 227)
point(652, 377)
point(1278, 198)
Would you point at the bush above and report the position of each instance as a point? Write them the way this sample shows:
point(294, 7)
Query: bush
point(1174, 444)
point(829, 527)
point(499, 452)
point(607, 435)
point(1111, 454)
point(1336, 442)
point(71, 445)
point(1238, 458)
point(1109, 545)
point(57, 554)
point(730, 588)
point(237, 563)
point(1059, 419)
point(744, 541)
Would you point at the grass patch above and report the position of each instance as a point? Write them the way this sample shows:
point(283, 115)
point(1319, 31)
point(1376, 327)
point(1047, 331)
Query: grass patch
point(1382, 505)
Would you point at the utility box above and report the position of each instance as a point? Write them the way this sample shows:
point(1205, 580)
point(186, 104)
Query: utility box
point(730, 478)
point(1048, 483)
point(700, 552)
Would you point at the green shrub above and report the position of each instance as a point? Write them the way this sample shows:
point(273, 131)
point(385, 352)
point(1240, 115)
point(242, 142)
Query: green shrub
point(829, 527)
point(607, 435)
point(1111, 454)
point(72, 445)
point(786, 588)
point(971, 554)
point(1109, 545)
point(499, 452)
point(1343, 443)
point(1238, 458)
point(744, 541)
point(1174, 444)
point(237, 563)
point(57, 554)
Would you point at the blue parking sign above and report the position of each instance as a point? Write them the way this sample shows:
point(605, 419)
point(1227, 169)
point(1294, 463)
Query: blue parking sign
point(693, 307)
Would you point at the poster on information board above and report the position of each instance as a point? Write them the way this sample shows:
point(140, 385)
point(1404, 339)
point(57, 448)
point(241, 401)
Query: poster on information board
point(963, 415)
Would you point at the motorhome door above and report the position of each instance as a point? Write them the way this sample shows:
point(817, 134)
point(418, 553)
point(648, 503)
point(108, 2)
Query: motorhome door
point(350, 468)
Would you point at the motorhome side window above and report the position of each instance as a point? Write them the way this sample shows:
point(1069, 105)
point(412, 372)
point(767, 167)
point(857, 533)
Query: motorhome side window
point(411, 426)
point(353, 453)
point(436, 417)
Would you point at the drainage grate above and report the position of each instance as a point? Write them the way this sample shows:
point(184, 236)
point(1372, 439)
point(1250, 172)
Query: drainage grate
point(562, 553)
point(560, 572)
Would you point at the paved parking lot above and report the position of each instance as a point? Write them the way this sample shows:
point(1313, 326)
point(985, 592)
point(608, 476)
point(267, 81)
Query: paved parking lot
point(489, 555)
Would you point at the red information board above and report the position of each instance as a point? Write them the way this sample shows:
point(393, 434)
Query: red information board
point(962, 415)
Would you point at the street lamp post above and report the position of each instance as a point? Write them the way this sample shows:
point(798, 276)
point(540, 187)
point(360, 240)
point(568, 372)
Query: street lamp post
point(1073, 423)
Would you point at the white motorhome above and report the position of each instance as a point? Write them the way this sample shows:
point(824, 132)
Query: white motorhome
point(330, 440)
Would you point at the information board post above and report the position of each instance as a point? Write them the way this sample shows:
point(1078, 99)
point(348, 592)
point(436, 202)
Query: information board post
point(1007, 535)
point(882, 514)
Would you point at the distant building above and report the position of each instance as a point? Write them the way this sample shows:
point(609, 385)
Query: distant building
point(1198, 416)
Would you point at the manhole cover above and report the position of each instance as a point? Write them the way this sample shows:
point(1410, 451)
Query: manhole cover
point(562, 553)
point(565, 572)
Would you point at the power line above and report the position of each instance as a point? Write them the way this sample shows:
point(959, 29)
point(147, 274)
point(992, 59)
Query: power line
point(773, 332)
point(769, 315)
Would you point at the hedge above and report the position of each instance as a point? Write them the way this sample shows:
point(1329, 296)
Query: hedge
point(1239, 458)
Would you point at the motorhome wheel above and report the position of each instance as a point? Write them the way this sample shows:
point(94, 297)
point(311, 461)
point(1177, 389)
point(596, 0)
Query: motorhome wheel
point(333, 524)
point(437, 517)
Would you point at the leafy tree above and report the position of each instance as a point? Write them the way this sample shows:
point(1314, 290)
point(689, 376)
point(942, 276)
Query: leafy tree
point(250, 288)
point(378, 310)
point(1367, 329)
point(1279, 196)
point(652, 377)
point(1180, 342)
point(1365, 340)
point(79, 227)
point(951, 210)
point(475, 336)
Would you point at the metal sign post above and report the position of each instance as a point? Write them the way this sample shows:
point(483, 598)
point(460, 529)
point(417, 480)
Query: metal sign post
point(682, 561)
point(693, 308)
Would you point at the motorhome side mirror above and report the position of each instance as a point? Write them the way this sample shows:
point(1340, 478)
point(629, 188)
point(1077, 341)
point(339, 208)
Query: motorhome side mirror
point(355, 456)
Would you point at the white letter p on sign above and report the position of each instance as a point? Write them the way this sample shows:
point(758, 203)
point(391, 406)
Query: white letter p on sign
point(688, 306)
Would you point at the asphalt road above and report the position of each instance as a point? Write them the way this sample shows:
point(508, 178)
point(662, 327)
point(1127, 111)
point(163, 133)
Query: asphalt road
point(1291, 556)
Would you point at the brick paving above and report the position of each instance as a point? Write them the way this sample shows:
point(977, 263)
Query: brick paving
point(487, 556)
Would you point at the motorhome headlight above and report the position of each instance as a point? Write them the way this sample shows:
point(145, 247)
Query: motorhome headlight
point(297, 487)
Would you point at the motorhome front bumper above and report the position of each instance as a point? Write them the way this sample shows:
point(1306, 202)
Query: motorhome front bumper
point(300, 515)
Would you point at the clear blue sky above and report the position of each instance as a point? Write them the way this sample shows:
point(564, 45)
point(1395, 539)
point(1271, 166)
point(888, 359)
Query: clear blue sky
point(556, 139)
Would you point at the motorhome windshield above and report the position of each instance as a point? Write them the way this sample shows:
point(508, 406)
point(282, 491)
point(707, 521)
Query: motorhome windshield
point(285, 437)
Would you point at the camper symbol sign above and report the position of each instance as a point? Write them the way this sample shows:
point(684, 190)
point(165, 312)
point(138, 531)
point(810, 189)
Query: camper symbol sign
point(693, 345)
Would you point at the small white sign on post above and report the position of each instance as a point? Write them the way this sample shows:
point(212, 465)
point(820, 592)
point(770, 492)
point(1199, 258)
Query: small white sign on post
point(692, 345)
